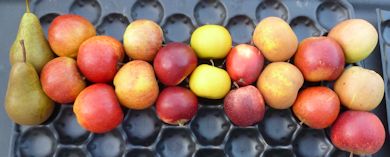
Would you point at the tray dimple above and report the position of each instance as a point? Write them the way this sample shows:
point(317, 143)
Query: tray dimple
point(37, 141)
point(311, 143)
point(46, 20)
point(241, 28)
point(71, 152)
point(141, 127)
point(140, 153)
point(244, 142)
point(330, 13)
point(271, 8)
point(90, 9)
point(147, 9)
point(278, 127)
point(210, 153)
point(175, 142)
point(178, 28)
point(210, 126)
point(114, 25)
point(109, 144)
point(209, 12)
point(304, 27)
point(69, 131)
point(279, 153)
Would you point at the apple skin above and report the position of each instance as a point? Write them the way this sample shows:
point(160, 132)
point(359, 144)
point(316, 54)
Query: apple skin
point(174, 62)
point(210, 82)
point(67, 32)
point(98, 58)
point(244, 64)
point(357, 37)
point(211, 41)
point(244, 106)
point(358, 132)
point(142, 39)
point(320, 59)
point(176, 105)
point(61, 80)
point(314, 101)
point(97, 108)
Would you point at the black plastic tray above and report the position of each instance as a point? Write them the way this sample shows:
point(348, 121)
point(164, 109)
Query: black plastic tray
point(210, 133)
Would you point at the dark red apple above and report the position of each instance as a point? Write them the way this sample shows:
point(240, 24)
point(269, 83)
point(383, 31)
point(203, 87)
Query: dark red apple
point(244, 106)
point(61, 80)
point(358, 132)
point(244, 64)
point(176, 105)
point(320, 59)
point(317, 107)
point(67, 32)
point(174, 62)
point(98, 58)
point(97, 108)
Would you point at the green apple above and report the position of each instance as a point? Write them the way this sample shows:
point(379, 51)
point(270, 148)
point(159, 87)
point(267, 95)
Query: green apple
point(210, 82)
point(211, 42)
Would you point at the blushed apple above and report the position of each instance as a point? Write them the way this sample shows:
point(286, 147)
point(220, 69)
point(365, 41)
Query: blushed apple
point(244, 106)
point(317, 107)
point(99, 57)
point(176, 105)
point(67, 32)
point(358, 132)
point(61, 80)
point(320, 59)
point(174, 62)
point(244, 64)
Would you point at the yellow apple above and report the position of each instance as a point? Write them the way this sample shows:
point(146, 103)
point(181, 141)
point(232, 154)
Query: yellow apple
point(211, 42)
point(210, 82)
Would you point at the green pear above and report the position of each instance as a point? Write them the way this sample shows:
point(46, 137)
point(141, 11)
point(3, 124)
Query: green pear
point(25, 101)
point(30, 30)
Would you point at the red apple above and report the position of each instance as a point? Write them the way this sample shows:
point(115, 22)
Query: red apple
point(98, 58)
point(244, 64)
point(358, 132)
point(61, 80)
point(317, 107)
point(176, 105)
point(67, 32)
point(97, 108)
point(174, 62)
point(244, 106)
point(320, 59)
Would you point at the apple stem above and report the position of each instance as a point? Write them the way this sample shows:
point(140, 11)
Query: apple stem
point(180, 124)
point(223, 63)
point(27, 6)
point(23, 50)
point(236, 85)
point(301, 123)
point(350, 154)
point(212, 62)
point(119, 64)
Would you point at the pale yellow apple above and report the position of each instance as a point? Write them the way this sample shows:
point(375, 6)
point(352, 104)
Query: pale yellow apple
point(211, 42)
point(210, 82)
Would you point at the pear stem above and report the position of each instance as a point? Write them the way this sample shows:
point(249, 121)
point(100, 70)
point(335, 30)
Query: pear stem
point(212, 62)
point(350, 154)
point(27, 6)
point(23, 50)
